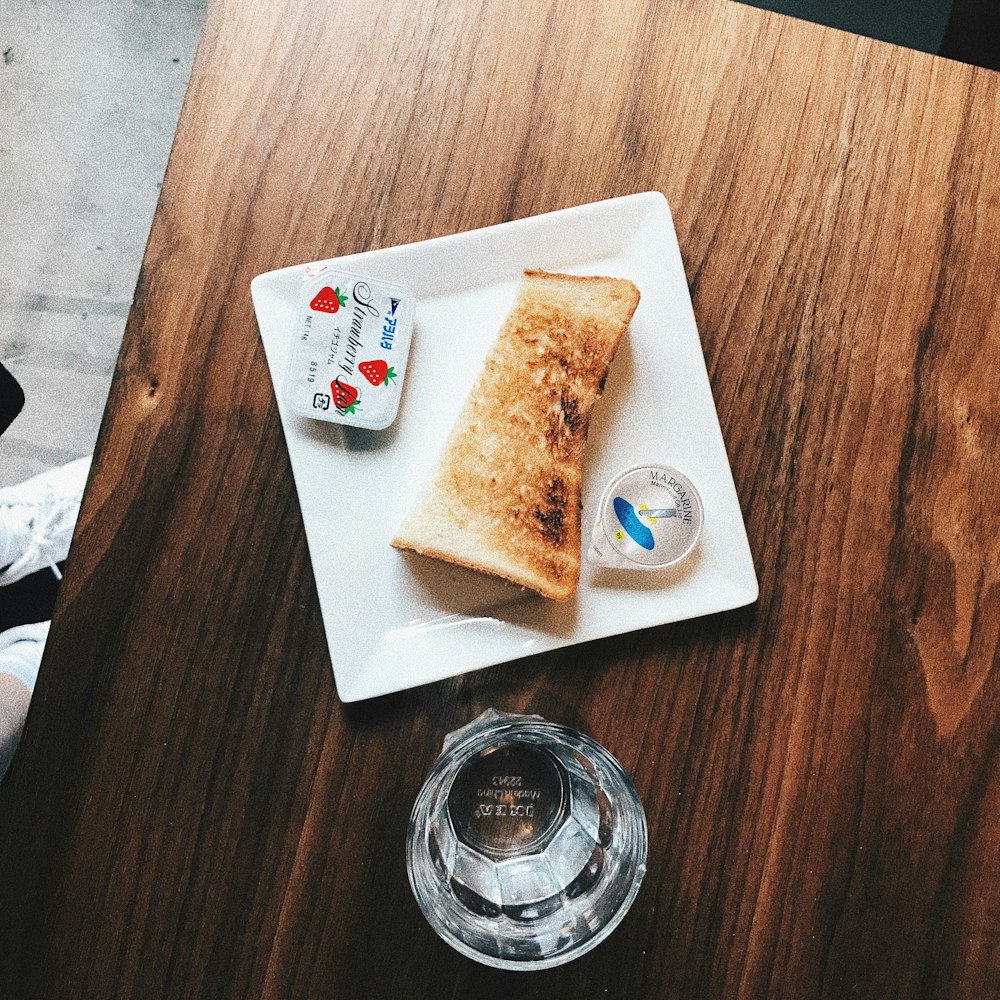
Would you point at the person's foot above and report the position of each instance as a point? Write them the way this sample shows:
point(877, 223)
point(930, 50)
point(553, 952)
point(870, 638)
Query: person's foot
point(37, 518)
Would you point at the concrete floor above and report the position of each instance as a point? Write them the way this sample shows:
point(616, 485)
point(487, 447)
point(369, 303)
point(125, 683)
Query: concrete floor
point(90, 92)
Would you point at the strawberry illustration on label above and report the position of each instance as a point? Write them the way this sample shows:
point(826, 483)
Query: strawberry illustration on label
point(328, 300)
point(345, 396)
point(377, 372)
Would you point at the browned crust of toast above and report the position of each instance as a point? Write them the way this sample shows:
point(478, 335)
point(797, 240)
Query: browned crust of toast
point(505, 498)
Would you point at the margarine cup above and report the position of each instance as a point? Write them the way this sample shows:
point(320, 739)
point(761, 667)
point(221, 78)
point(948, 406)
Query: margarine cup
point(650, 517)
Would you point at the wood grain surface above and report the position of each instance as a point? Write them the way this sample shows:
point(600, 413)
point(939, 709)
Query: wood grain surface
point(193, 813)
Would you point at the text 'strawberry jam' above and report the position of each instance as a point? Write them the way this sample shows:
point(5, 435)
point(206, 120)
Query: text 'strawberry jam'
point(350, 343)
point(650, 517)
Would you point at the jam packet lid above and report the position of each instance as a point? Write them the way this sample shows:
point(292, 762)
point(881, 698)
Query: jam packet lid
point(649, 517)
point(349, 348)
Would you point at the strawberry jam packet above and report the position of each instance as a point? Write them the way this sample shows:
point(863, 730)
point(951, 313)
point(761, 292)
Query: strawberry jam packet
point(350, 343)
point(649, 518)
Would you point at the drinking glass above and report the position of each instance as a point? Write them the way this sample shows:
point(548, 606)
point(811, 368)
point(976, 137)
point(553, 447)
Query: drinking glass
point(527, 843)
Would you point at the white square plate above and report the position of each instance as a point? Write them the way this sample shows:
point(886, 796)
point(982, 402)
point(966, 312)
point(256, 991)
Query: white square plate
point(395, 620)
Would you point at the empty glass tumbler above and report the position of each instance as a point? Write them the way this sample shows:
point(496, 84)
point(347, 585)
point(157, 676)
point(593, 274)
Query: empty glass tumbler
point(527, 842)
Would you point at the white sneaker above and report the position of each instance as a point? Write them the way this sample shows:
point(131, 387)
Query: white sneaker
point(21, 651)
point(37, 518)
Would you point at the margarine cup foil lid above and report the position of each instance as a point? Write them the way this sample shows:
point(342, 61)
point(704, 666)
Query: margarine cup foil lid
point(349, 347)
point(650, 517)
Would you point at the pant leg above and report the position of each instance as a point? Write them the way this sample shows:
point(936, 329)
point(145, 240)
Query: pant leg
point(31, 599)
point(11, 398)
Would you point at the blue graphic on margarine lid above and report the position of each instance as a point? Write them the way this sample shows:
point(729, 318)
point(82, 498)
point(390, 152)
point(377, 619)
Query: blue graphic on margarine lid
point(650, 517)
point(349, 349)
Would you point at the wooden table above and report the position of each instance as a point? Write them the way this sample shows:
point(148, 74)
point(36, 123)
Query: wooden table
point(193, 813)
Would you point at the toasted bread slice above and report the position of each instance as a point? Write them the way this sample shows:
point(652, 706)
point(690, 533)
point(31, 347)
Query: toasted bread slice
point(505, 498)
